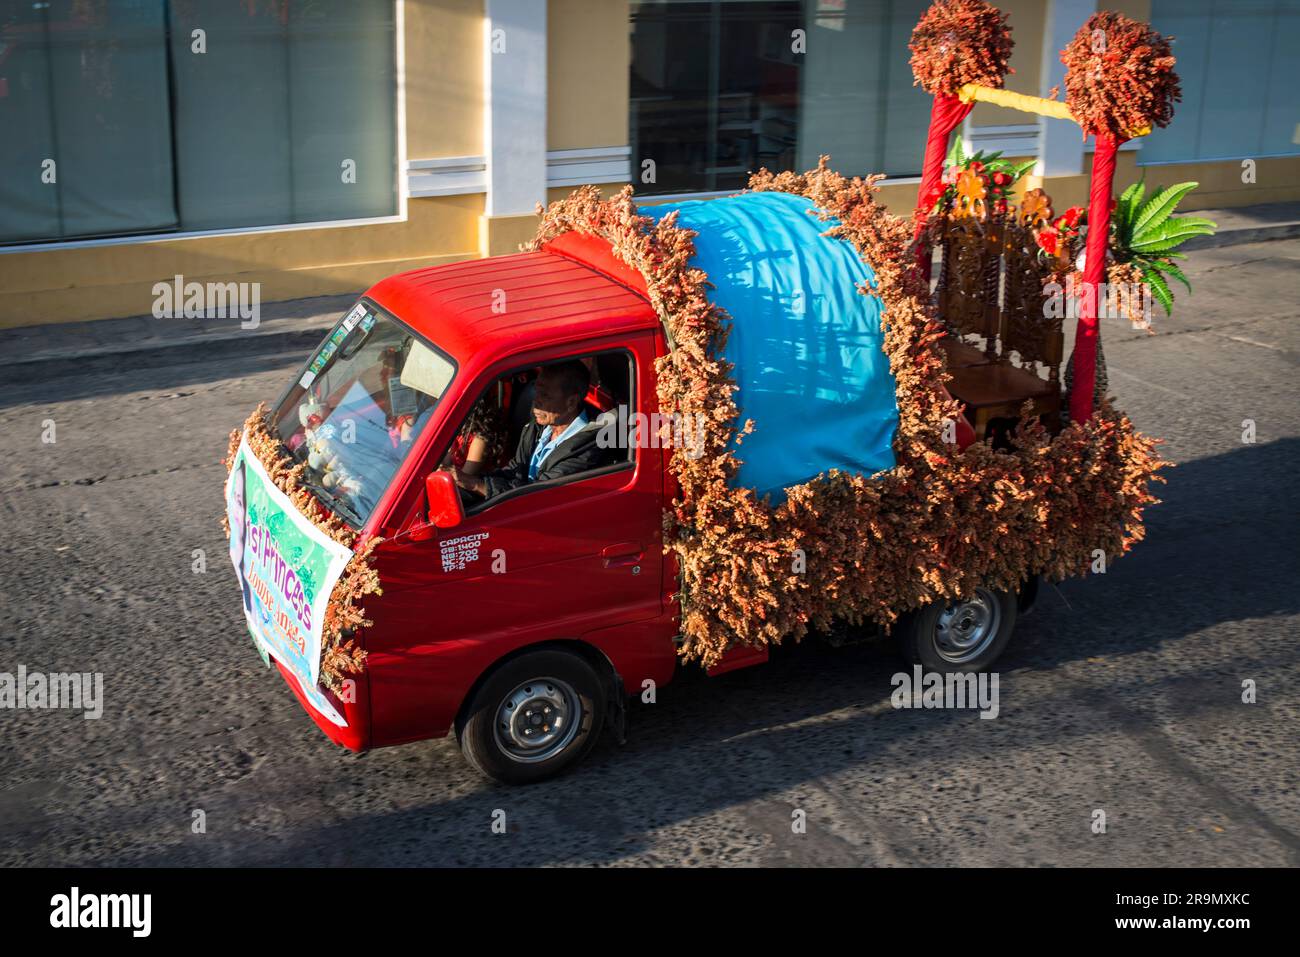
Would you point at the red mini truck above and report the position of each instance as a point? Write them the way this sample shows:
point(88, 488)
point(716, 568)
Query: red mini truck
point(521, 623)
point(455, 519)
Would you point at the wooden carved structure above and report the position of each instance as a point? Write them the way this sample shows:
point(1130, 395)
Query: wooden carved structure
point(991, 287)
point(1119, 84)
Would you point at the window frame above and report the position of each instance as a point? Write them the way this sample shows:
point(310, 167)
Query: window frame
point(512, 367)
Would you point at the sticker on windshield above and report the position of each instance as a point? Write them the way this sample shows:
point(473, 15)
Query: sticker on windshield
point(402, 399)
point(354, 316)
point(327, 351)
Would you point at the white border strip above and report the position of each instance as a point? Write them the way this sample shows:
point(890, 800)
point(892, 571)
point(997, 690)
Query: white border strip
point(1217, 159)
point(603, 164)
point(1023, 140)
point(198, 234)
point(1016, 140)
point(461, 175)
point(514, 105)
point(448, 176)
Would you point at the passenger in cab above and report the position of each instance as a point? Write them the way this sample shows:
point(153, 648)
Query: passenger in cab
point(481, 444)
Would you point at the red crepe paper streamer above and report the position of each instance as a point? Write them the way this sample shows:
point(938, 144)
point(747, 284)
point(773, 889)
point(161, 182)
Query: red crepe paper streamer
point(1094, 273)
point(946, 114)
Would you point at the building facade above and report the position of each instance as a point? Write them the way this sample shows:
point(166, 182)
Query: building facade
point(315, 146)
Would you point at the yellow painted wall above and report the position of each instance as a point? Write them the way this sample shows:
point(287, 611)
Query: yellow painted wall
point(444, 78)
point(588, 58)
point(99, 282)
point(1026, 19)
point(1276, 180)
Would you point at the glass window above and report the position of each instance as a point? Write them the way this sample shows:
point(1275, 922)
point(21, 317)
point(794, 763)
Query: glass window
point(86, 148)
point(116, 123)
point(358, 408)
point(1237, 60)
point(264, 127)
point(550, 423)
point(722, 87)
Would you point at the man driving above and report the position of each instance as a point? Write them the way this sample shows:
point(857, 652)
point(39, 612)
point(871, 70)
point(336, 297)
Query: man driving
point(560, 440)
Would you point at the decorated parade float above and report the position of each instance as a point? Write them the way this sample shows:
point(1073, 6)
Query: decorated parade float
point(886, 426)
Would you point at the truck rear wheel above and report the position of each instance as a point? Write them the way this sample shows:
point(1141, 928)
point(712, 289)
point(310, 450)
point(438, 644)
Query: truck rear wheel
point(533, 717)
point(962, 636)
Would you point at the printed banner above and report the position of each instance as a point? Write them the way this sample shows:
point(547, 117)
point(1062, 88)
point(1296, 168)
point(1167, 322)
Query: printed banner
point(287, 568)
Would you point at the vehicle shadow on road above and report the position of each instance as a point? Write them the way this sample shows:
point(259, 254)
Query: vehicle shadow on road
point(730, 756)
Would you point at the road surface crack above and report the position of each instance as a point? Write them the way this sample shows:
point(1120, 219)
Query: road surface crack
point(103, 479)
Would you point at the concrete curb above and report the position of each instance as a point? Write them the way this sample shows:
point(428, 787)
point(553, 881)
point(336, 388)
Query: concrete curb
point(1244, 234)
point(101, 359)
point(182, 342)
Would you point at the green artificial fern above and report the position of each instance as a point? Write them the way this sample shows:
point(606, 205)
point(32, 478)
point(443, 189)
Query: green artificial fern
point(993, 162)
point(1146, 234)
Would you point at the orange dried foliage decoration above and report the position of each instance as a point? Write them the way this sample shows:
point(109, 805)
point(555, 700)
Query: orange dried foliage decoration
point(937, 524)
point(958, 42)
point(1119, 76)
point(344, 613)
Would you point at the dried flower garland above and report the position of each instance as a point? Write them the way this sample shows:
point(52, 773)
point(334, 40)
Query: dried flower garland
point(1119, 77)
point(958, 42)
point(344, 615)
point(844, 545)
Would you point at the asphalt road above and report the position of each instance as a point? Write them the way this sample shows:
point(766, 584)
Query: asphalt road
point(1121, 693)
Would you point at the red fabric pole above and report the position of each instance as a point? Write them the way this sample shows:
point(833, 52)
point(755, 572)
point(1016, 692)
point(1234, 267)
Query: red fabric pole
point(946, 114)
point(1094, 273)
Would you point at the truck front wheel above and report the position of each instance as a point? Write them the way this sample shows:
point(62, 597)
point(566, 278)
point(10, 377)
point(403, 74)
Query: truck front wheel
point(961, 636)
point(534, 716)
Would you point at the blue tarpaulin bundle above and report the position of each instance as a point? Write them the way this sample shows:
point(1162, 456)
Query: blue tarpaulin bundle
point(804, 343)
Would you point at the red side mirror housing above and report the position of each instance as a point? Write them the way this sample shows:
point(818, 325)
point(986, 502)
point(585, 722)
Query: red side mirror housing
point(445, 510)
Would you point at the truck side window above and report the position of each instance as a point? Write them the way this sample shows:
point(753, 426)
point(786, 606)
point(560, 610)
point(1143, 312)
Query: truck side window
point(544, 425)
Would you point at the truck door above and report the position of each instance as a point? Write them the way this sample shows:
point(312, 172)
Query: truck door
point(544, 562)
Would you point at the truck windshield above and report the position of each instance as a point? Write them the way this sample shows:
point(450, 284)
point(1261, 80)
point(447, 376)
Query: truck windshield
point(359, 406)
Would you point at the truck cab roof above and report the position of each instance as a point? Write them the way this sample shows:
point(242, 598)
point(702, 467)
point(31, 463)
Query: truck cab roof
point(485, 309)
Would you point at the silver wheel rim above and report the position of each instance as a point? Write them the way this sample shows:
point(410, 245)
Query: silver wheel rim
point(538, 720)
point(965, 629)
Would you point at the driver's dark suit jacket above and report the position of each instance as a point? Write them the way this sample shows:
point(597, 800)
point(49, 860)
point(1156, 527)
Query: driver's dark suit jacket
point(578, 453)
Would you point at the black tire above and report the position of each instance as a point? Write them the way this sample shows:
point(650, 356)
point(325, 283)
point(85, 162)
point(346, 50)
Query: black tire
point(935, 638)
point(539, 686)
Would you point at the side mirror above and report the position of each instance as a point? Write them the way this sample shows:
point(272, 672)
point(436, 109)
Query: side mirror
point(445, 510)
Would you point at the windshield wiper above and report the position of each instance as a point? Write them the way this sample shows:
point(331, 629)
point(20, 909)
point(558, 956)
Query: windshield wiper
point(334, 502)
